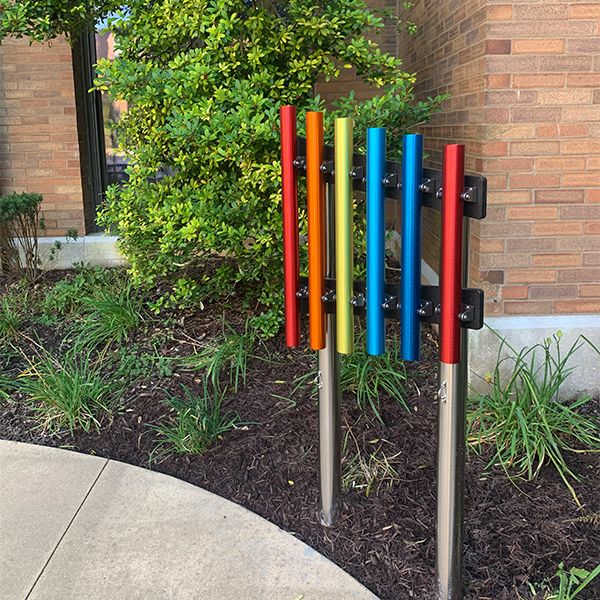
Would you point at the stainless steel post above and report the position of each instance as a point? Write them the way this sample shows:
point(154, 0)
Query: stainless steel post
point(451, 460)
point(330, 437)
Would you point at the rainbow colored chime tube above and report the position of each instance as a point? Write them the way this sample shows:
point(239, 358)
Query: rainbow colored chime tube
point(410, 286)
point(344, 236)
point(410, 296)
point(375, 295)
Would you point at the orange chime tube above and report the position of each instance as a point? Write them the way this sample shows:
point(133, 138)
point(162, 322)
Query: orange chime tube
point(315, 200)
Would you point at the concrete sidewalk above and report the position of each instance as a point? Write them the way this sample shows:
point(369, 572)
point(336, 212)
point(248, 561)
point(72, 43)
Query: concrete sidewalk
point(77, 527)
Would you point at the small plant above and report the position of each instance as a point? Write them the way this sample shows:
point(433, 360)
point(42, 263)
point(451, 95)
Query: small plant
point(367, 377)
point(19, 228)
point(132, 364)
point(10, 320)
point(231, 355)
point(570, 584)
point(367, 471)
point(68, 394)
point(111, 318)
point(67, 296)
point(523, 416)
point(196, 423)
point(370, 376)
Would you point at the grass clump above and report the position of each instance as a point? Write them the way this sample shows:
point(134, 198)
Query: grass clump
point(570, 584)
point(370, 376)
point(67, 296)
point(110, 317)
point(230, 356)
point(196, 422)
point(367, 471)
point(10, 320)
point(367, 376)
point(67, 394)
point(523, 416)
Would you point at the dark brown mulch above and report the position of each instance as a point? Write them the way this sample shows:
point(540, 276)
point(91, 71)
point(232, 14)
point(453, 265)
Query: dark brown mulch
point(386, 540)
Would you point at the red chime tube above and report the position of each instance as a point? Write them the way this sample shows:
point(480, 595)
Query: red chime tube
point(291, 269)
point(315, 200)
point(451, 256)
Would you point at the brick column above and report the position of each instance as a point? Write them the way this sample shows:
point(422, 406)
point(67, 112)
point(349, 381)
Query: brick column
point(39, 150)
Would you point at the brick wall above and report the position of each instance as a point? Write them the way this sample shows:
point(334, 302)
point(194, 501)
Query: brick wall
point(525, 79)
point(39, 151)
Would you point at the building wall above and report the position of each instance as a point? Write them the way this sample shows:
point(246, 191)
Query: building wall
point(525, 84)
point(39, 150)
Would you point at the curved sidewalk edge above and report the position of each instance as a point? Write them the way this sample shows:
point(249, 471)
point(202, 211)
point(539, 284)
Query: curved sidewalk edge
point(79, 527)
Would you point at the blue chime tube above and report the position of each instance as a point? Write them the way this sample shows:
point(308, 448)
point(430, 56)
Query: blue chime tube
point(375, 295)
point(412, 174)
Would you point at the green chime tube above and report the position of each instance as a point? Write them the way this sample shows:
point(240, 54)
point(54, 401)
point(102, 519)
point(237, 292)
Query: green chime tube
point(344, 234)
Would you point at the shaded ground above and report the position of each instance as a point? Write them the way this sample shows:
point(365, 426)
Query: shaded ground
point(386, 540)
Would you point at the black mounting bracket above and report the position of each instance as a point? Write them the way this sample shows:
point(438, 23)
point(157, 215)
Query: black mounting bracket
point(474, 194)
point(471, 314)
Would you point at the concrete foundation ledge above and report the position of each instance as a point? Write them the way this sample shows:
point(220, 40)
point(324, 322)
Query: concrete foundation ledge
point(526, 331)
point(75, 527)
point(97, 249)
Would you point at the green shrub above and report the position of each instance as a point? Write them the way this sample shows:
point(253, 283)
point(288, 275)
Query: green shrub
point(196, 423)
point(20, 224)
point(204, 80)
point(45, 19)
point(523, 416)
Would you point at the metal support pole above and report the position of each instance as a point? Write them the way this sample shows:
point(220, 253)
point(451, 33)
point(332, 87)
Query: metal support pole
point(330, 433)
point(451, 449)
point(451, 459)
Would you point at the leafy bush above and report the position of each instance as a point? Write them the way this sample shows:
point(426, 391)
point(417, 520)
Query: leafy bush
point(19, 228)
point(523, 416)
point(204, 80)
point(197, 422)
point(45, 19)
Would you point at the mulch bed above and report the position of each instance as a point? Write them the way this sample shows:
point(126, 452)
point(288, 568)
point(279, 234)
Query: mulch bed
point(386, 540)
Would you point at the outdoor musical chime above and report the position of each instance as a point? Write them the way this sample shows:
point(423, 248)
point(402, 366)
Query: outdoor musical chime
point(332, 298)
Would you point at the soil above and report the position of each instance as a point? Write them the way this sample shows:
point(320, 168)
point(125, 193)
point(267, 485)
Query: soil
point(514, 533)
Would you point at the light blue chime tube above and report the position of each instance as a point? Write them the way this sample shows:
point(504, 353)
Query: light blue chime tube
point(375, 295)
point(412, 174)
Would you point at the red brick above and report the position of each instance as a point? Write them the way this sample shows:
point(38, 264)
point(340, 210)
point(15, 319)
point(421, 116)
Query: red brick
point(538, 46)
point(585, 11)
point(581, 179)
point(557, 260)
point(515, 292)
point(532, 213)
point(589, 291)
point(530, 276)
point(559, 196)
point(590, 275)
point(528, 308)
point(577, 306)
point(497, 47)
point(583, 80)
point(535, 180)
point(534, 148)
point(551, 292)
point(557, 229)
point(539, 81)
point(560, 164)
